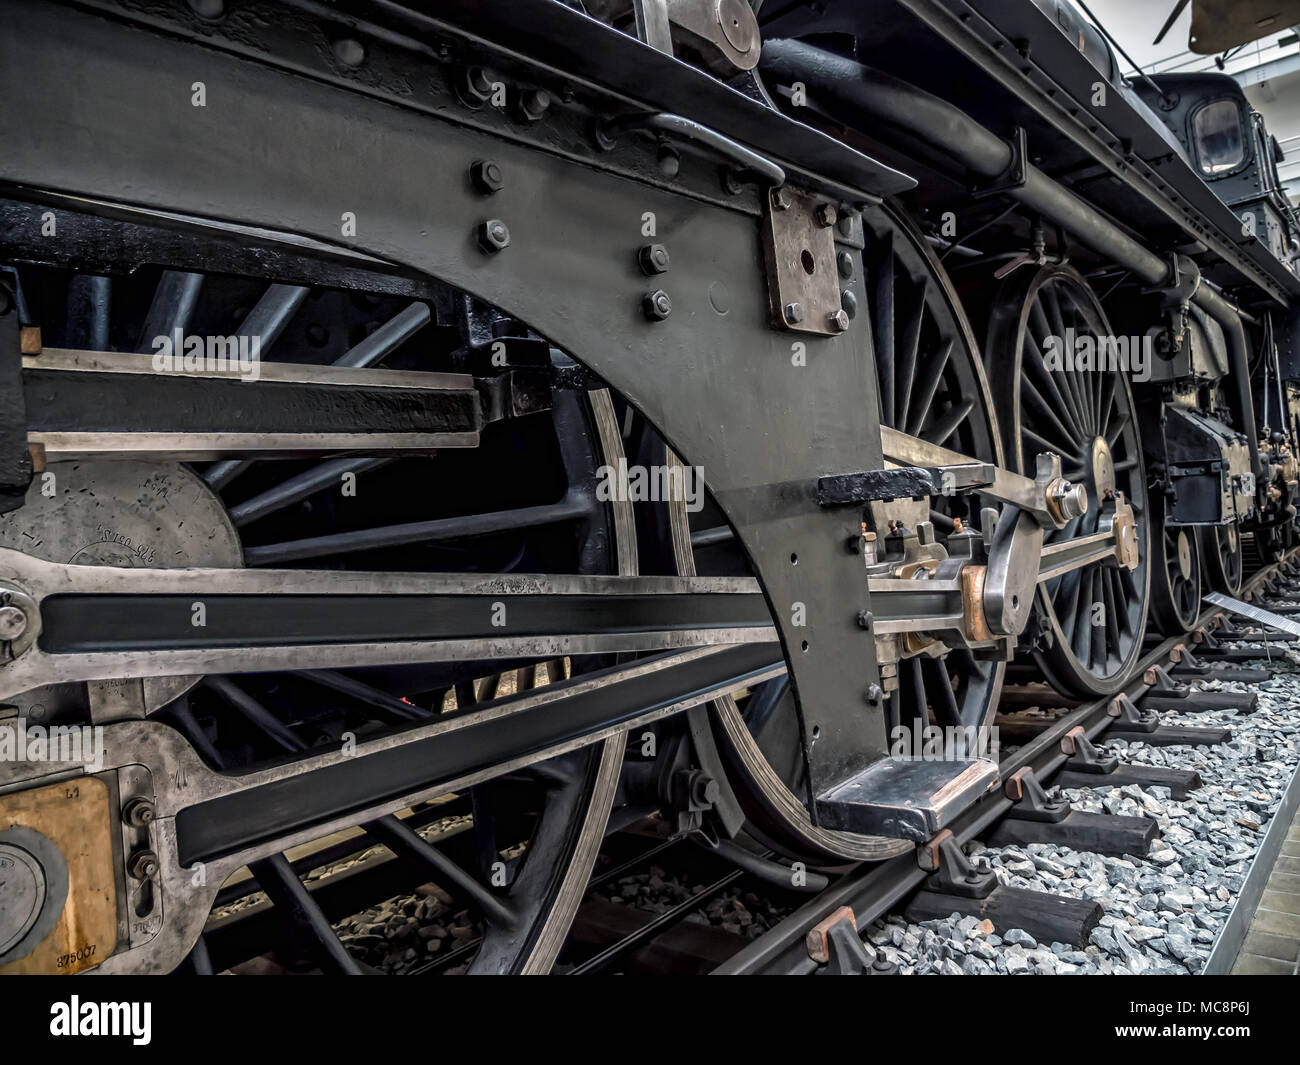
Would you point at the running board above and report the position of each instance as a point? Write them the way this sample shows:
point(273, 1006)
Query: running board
point(1254, 613)
point(904, 799)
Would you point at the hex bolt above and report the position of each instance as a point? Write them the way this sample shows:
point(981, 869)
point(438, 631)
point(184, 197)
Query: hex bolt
point(487, 176)
point(493, 236)
point(838, 320)
point(138, 813)
point(875, 693)
point(781, 199)
point(865, 620)
point(825, 215)
point(793, 313)
point(656, 305)
point(476, 86)
point(844, 261)
point(653, 259)
point(143, 865)
point(534, 103)
point(13, 623)
point(702, 788)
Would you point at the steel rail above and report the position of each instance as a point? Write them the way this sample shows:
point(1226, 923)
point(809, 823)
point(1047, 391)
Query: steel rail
point(873, 889)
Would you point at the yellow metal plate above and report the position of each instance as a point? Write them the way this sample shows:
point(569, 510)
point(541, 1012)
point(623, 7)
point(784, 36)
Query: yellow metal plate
point(75, 815)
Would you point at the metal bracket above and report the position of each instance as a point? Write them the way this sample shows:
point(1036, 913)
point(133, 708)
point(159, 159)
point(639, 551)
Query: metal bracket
point(1085, 756)
point(1128, 718)
point(902, 482)
point(835, 944)
point(799, 255)
point(1031, 801)
point(952, 872)
point(1016, 173)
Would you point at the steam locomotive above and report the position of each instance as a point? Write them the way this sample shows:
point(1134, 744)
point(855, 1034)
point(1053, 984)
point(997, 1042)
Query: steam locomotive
point(364, 363)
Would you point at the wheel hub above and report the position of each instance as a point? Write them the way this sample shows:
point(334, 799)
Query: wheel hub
point(1184, 555)
point(119, 513)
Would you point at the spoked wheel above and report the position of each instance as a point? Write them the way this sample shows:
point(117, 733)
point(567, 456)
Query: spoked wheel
point(1175, 573)
point(1263, 547)
point(1092, 618)
point(931, 385)
point(1223, 559)
point(521, 869)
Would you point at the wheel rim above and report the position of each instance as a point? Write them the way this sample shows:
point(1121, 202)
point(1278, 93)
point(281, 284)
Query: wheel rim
point(524, 919)
point(1175, 573)
point(932, 385)
point(1092, 619)
point(1222, 557)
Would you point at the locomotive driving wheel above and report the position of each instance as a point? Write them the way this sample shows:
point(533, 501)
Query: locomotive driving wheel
point(931, 385)
point(530, 836)
point(1092, 619)
point(1223, 559)
point(1175, 572)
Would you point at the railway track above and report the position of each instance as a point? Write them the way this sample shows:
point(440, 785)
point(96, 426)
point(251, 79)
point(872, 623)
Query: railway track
point(667, 904)
point(871, 893)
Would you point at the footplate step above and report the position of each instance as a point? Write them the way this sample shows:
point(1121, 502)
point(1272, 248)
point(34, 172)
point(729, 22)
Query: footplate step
point(904, 799)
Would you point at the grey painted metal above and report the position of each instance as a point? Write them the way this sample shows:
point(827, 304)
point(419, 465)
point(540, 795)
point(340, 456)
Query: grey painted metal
point(182, 780)
point(714, 378)
point(949, 130)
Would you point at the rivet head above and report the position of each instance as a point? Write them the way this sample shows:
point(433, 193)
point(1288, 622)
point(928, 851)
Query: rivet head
point(793, 313)
point(349, 51)
point(493, 236)
point(653, 259)
point(844, 262)
point(656, 305)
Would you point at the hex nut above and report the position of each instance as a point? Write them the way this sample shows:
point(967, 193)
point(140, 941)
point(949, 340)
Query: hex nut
point(493, 236)
point(653, 259)
point(487, 176)
point(656, 305)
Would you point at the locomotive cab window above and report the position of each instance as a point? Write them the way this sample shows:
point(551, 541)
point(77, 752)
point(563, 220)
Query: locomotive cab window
point(1220, 146)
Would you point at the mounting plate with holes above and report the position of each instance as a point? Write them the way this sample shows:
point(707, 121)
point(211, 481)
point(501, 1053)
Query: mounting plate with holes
point(799, 253)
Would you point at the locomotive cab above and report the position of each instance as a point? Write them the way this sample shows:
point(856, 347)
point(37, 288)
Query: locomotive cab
point(1229, 146)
